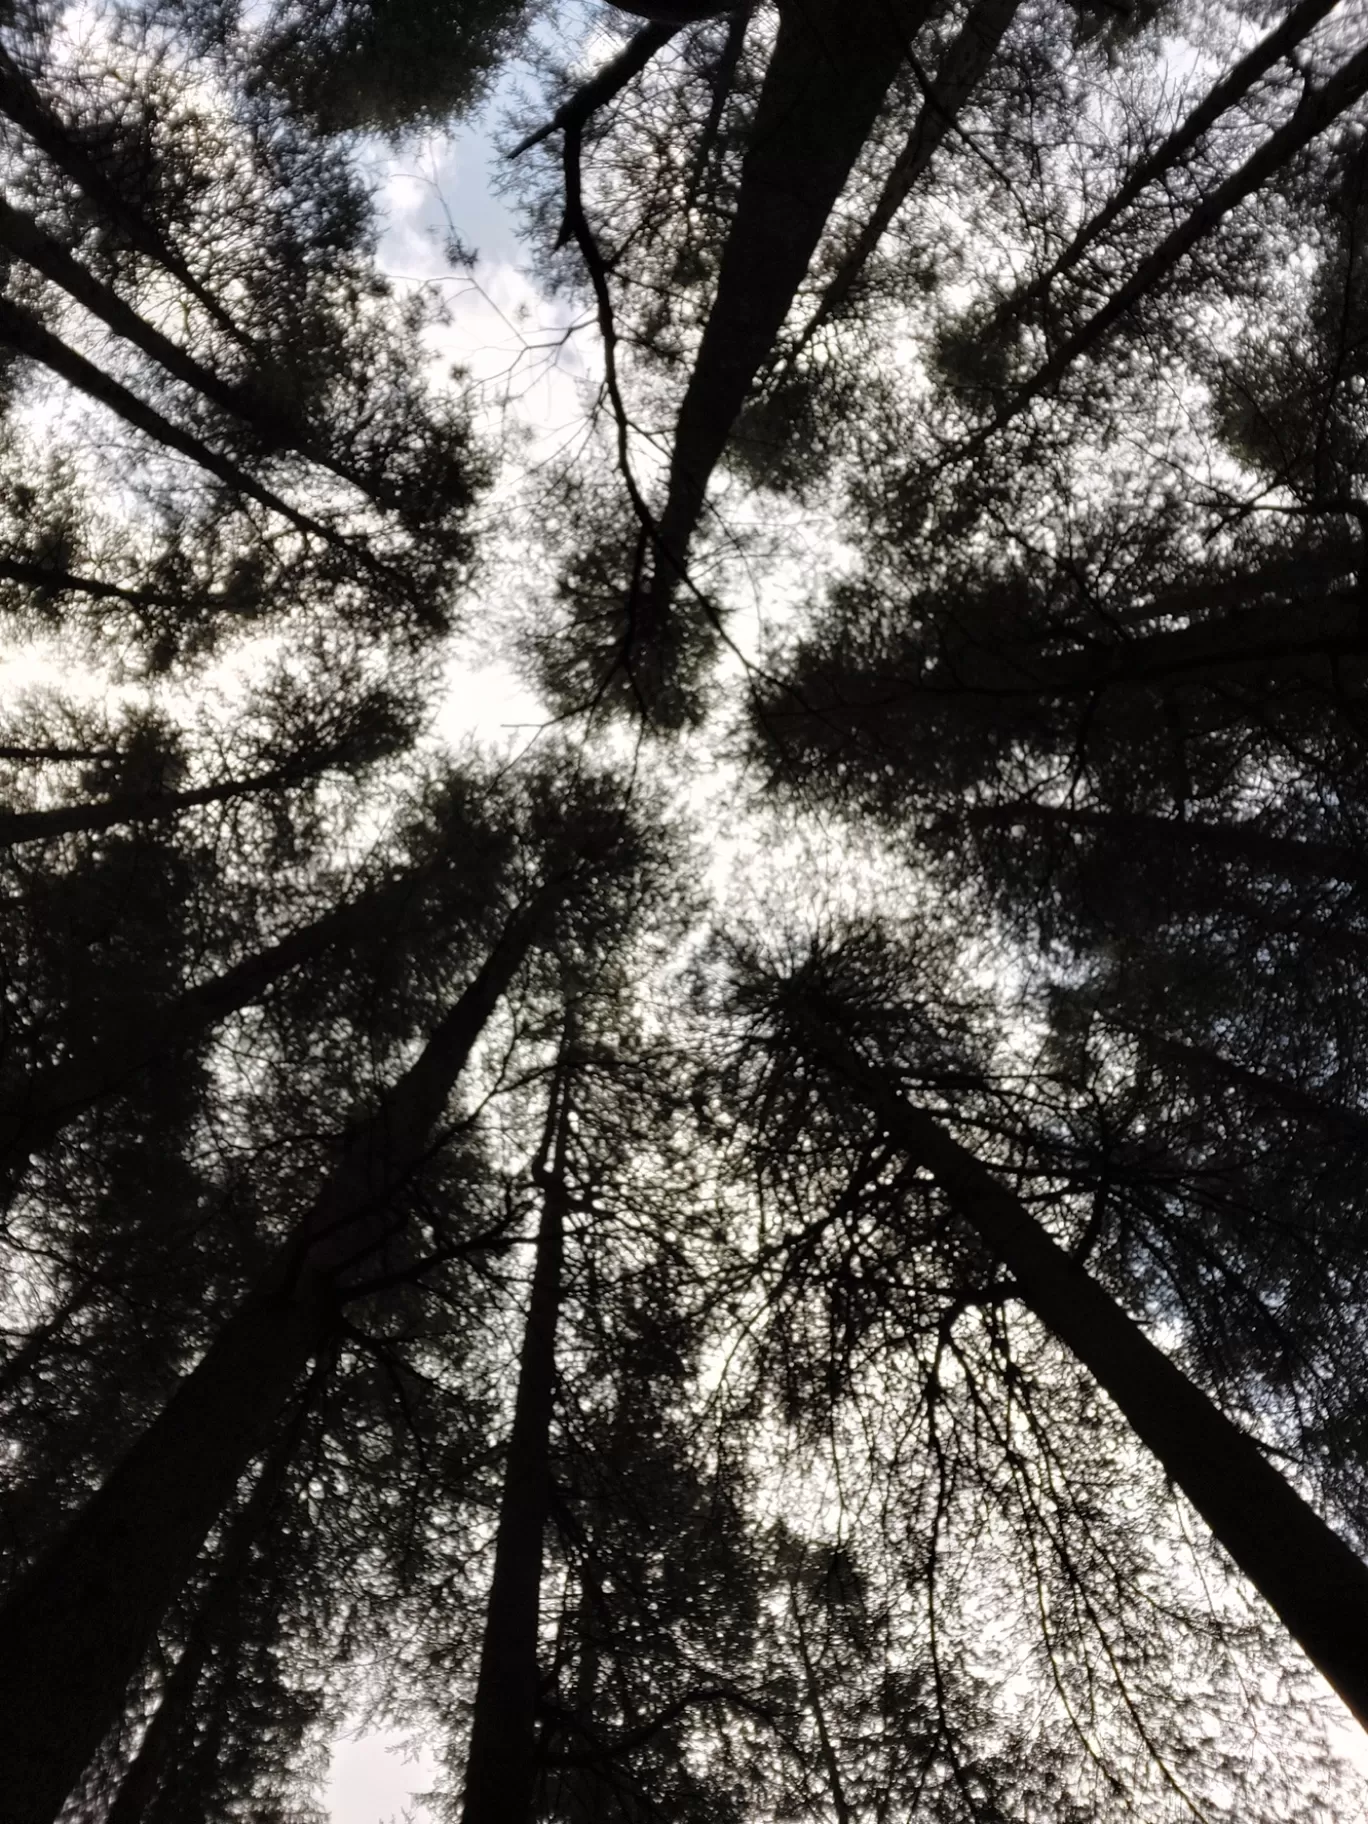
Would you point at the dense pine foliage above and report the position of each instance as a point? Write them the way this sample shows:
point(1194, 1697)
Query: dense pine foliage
point(791, 1242)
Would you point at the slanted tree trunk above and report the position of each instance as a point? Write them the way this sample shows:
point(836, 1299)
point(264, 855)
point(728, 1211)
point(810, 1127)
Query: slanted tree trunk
point(24, 236)
point(76, 1627)
point(21, 103)
point(1318, 109)
point(1307, 1574)
point(500, 1781)
point(34, 574)
point(831, 68)
point(1205, 1067)
point(165, 1733)
point(21, 330)
point(98, 814)
point(965, 65)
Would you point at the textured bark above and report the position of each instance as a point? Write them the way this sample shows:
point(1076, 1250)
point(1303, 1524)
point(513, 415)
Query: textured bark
point(965, 65)
point(78, 1624)
point(1307, 1574)
point(500, 1781)
point(1232, 87)
point(831, 68)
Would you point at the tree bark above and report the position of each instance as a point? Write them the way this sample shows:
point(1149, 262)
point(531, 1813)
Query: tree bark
point(77, 1625)
point(965, 65)
point(501, 1769)
point(831, 68)
point(1307, 1574)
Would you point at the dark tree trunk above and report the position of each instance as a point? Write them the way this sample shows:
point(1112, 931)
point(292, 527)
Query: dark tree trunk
point(98, 814)
point(1288, 857)
point(1318, 109)
point(23, 332)
point(831, 68)
point(1205, 1067)
point(21, 103)
point(1307, 1574)
point(964, 67)
point(26, 238)
point(165, 1733)
point(501, 1768)
point(78, 1624)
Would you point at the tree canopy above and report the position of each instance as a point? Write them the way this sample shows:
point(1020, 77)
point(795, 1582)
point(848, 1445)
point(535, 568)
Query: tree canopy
point(787, 1241)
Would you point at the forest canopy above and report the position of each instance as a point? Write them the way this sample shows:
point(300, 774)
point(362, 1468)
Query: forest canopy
point(789, 1239)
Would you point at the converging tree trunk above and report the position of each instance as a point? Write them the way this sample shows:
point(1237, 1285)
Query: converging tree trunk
point(166, 1732)
point(831, 68)
point(77, 1625)
point(1307, 1574)
point(501, 1767)
point(965, 65)
point(1169, 153)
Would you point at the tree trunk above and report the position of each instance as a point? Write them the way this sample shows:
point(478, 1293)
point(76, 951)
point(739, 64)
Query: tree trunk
point(18, 827)
point(21, 103)
point(1318, 109)
point(1308, 1575)
point(1202, 1065)
point(964, 67)
point(165, 1733)
point(24, 333)
point(831, 1764)
point(77, 1625)
point(501, 1770)
point(33, 574)
point(32, 244)
point(831, 68)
